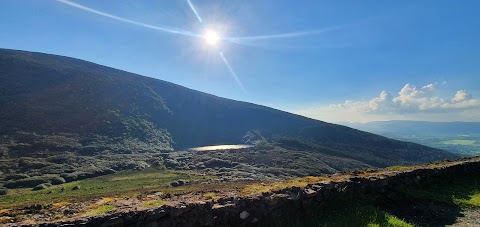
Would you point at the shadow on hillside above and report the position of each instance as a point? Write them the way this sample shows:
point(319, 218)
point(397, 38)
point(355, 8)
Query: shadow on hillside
point(435, 203)
point(423, 212)
point(438, 202)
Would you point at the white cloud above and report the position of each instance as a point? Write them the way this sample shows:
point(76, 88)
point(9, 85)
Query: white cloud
point(461, 96)
point(410, 103)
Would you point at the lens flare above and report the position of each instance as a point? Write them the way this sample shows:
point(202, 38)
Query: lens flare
point(211, 37)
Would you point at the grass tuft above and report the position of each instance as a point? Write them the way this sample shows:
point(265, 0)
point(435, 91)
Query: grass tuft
point(103, 209)
point(269, 186)
point(154, 203)
point(396, 222)
point(209, 195)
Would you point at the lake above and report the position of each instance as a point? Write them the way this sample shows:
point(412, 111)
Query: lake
point(221, 147)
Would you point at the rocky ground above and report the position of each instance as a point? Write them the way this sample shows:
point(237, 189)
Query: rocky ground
point(231, 206)
point(470, 218)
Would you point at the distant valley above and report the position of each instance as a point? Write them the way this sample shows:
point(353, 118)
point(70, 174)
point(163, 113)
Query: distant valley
point(457, 137)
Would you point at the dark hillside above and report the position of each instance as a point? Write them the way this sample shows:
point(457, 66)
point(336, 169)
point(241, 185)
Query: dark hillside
point(105, 108)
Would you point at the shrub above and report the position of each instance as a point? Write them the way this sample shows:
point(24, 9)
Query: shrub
point(15, 176)
point(30, 163)
point(171, 163)
point(182, 182)
point(3, 191)
point(157, 162)
point(215, 162)
point(76, 187)
point(41, 187)
point(200, 165)
point(209, 195)
point(26, 183)
point(57, 180)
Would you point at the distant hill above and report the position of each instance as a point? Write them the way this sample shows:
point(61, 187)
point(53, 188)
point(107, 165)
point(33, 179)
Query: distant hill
point(55, 103)
point(417, 127)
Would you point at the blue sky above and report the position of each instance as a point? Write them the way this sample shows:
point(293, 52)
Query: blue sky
point(425, 54)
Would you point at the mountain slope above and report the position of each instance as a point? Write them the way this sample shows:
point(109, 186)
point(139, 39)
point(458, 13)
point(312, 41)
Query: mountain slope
point(107, 109)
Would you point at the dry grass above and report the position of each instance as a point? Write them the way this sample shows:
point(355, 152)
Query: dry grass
point(60, 204)
point(107, 200)
point(5, 220)
point(4, 211)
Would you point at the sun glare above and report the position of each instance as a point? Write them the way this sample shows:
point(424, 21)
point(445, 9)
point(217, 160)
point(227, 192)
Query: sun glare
point(211, 37)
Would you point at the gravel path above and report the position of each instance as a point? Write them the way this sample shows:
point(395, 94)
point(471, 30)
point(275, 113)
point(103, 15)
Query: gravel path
point(471, 218)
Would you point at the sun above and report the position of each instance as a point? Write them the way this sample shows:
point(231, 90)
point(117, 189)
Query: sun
point(211, 37)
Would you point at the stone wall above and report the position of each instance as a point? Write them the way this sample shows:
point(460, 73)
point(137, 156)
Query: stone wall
point(242, 211)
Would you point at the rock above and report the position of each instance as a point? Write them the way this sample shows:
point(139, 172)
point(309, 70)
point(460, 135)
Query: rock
point(3, 191)
point(156, 214)
point(310, 193)
point(244, 215)
point(70, 211)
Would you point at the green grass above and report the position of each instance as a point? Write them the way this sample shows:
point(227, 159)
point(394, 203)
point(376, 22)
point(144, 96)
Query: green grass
point(460, 142)
point(394, 221)
point(472, 201)
point(126, 183)
point(102, 209)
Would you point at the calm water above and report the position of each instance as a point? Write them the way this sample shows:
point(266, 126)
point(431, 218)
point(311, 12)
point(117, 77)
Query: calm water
point(221, 147)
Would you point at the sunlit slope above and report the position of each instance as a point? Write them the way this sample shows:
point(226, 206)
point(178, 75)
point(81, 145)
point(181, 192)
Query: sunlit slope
point(50, 94)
